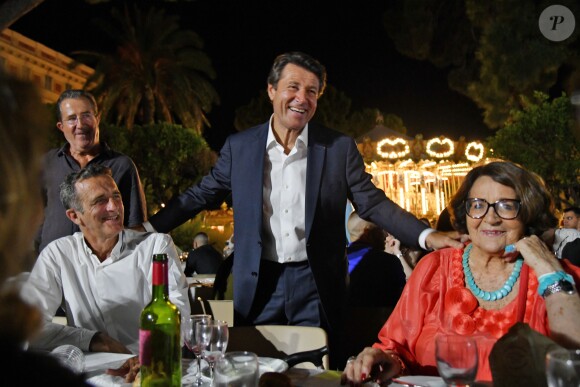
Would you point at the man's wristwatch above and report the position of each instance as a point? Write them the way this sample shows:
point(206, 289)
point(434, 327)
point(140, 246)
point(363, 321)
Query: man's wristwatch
point(561, 285)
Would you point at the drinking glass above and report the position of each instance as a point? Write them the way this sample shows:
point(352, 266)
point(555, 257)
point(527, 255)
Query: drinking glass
point(70, 356)
point(217, 344)
point(236, 369)
point(563, 367)
point(457, 359)
point(197, 336)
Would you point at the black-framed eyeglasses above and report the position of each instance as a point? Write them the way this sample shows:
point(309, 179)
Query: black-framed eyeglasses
point(505, 208)
point(84, 117)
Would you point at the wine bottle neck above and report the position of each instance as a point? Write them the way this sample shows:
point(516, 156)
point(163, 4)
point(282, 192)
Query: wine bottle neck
point(160, 280)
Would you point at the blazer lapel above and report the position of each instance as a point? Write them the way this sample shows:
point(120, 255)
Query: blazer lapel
point(253, 177)
point(315, 165)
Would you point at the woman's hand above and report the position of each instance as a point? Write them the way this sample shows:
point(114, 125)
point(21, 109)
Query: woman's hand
point(392, 245)
point(129, 369)
point(537, 255)
point(370, 364)
point(102, 342)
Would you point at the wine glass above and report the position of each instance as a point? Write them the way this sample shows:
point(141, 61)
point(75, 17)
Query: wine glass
point(197, 336)
point(217, 345)
point(457, 359)
point(71, 357)
point(563, 367)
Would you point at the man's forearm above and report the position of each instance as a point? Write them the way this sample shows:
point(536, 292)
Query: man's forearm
point(52, 335)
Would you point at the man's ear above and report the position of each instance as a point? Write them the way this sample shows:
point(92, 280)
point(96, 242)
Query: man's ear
point(73, 216)
point(271, 92)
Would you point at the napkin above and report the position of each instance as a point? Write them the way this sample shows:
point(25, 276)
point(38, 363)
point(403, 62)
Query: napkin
point(519, 357)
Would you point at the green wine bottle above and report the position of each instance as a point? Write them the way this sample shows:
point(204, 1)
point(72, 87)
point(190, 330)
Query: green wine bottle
point(159, 333)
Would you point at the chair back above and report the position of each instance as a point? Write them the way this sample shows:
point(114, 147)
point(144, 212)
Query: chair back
point(281, 341)
point(222, 310)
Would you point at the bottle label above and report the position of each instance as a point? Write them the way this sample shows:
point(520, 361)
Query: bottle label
point(144, 347)
point(160, 273)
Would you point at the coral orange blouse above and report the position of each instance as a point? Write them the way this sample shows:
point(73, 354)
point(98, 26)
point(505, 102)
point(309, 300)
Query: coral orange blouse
point(435, 300)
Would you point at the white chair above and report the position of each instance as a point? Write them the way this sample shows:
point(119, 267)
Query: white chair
point(222, 310)
point(309, 344)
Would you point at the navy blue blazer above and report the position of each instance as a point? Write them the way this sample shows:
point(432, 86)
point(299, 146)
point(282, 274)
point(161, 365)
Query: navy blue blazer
point(335, 173)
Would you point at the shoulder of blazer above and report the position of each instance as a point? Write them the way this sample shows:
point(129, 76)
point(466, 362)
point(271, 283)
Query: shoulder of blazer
point(258, 131)
point(319, 134)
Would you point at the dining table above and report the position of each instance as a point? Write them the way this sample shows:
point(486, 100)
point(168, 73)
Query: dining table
point(98, 363)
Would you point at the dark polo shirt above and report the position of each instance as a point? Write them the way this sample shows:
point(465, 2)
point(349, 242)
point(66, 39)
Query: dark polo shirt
point(58, 164)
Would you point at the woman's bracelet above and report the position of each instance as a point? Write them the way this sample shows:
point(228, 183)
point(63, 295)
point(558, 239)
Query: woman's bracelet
point(549, 279)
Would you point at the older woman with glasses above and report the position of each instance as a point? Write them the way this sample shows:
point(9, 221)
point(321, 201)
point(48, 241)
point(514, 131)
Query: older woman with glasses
point(505, 274)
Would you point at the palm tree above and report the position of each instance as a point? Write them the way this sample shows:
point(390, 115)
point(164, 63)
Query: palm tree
point(157, 73)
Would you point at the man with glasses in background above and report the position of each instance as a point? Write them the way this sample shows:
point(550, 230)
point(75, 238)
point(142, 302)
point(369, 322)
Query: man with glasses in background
point(78, 119)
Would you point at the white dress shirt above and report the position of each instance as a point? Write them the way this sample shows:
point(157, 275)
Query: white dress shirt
point(103, 296)
point(284, 200)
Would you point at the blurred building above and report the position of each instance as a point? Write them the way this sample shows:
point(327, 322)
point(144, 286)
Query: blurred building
point(48, 69)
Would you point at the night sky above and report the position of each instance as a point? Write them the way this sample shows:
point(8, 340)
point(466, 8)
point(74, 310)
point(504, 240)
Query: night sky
point(243, 37)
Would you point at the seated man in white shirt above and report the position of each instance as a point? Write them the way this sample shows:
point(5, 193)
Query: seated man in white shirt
point(103, 273)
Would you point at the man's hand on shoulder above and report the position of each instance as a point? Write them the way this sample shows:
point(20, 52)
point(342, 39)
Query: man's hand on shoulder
point(440, 239)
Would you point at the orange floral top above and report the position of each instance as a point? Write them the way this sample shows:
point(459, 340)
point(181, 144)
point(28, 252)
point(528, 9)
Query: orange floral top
point(435, 300)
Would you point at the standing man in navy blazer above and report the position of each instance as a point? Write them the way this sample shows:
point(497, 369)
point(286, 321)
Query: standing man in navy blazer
point(290, 180)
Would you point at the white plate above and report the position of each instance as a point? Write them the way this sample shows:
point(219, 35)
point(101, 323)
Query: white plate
point(431, 381)
point(270, 364)
point(95, 361)
point(104, 380)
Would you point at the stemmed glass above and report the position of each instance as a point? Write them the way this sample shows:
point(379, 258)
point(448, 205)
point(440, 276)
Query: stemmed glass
point(217, 344)
point(563, 367)
point(197, 337)
point(457, 359)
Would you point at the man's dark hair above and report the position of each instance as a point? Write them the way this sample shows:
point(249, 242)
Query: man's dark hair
point(574, 209)
point(68, 193)
point(299, 59)
point(76, 94)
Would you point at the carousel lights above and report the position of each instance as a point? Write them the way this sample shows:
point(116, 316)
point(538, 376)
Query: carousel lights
point(443, 141)
point(453, 166)
point(474, 146)
point(392, 143)
point(423, 186)
point(428, 164)
point(404, 163)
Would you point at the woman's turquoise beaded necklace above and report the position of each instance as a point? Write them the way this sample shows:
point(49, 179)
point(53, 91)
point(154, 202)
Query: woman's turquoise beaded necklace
point(490, 296)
